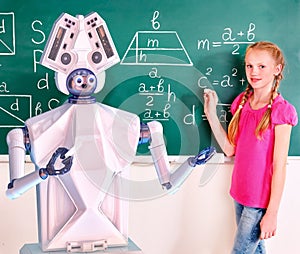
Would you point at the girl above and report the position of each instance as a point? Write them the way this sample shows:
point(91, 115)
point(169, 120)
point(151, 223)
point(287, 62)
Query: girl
point(258, 136)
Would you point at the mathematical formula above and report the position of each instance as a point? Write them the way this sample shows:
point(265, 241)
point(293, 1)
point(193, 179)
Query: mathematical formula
point(226, 80)
point(154, 91)
point(160, 100)
point(146, 48)
point(230, 38)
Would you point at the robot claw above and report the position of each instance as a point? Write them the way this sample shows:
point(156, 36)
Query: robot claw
point(50, 168)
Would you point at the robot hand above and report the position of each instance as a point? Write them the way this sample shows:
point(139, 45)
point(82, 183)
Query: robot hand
point(20, 185)
point(203, 156)
point(178, 177)
point(152, 132)
point(50, 168)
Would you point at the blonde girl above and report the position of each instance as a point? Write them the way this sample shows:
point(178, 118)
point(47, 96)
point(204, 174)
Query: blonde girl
point(258, 136)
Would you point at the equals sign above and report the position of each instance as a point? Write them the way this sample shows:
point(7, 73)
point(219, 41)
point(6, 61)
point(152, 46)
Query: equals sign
point(215, 82)
point(216, 43)
point(204, 118)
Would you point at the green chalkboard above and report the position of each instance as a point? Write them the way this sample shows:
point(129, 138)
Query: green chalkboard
point(169, 50)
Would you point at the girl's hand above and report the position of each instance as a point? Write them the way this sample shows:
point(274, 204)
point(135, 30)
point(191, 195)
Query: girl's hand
point(210, 102)
point(210, 110)
point(268, 226)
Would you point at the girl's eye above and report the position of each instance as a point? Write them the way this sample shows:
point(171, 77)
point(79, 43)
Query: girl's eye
point(262, 66)
point(248, 66)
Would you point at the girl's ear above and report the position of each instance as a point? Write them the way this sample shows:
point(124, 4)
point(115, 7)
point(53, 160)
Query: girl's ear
point(278, 69)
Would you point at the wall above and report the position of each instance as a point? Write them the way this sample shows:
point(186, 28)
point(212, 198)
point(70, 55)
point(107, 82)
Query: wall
point(196, 219)
point(182, 48)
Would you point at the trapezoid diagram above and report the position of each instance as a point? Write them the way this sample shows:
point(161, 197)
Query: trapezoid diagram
point(156, 48)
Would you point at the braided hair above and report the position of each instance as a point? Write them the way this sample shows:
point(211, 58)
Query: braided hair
point(277, 55)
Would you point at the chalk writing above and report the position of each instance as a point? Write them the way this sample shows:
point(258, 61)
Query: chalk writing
point(10, 110)
point(152, 92)
point(223, 112)
point(155, 23)
point(43, 82)
point(230, 38)
point(225, 81)
point(3, 88)
point(156, 48)
point(7, 33)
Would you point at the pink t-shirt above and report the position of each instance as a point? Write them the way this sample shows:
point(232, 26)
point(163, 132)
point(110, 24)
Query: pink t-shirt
point(252, 173)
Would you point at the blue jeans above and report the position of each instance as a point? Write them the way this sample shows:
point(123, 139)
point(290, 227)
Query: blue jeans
point(248, 230)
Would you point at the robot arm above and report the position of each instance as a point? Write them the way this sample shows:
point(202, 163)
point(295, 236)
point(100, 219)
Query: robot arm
point(19, 182)
point(152, 132)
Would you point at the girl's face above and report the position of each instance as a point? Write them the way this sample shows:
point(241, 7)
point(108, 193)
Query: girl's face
point(261, 69)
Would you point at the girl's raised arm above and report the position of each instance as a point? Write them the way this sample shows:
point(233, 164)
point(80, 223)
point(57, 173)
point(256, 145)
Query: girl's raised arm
point(210, 104)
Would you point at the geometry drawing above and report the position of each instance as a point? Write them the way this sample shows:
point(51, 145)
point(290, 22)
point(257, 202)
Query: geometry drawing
point(156, 48)
point(14, 110)
point(7, 33)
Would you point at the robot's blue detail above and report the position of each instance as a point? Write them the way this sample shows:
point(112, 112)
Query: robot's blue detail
point(11, 184)
point(144, 134)
point(204, 156)
point(26, 139)
point(81, 83)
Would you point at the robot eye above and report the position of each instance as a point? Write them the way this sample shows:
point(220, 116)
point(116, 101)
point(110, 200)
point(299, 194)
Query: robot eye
point(91, 80)
point(78, 80)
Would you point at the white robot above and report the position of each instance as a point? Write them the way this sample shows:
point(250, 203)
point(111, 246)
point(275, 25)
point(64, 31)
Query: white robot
point(81, 150)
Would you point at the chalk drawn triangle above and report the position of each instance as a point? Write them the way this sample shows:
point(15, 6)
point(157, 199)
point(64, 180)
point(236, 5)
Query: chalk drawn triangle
point(14, 110)
point(7, 33)
point(5, 49)
point(156, 48)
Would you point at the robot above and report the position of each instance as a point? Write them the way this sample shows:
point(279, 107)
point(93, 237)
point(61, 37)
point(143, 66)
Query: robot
point(81, 150)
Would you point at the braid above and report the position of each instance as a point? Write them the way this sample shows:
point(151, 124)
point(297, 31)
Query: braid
point(234, 123)
point(278, 57)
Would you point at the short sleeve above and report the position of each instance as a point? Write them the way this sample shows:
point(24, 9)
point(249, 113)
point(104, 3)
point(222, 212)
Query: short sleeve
point(284, 113)
point(235, 104)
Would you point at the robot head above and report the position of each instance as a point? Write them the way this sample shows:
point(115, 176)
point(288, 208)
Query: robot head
point(81, 82)
point(81, 42)
point(61, 81)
